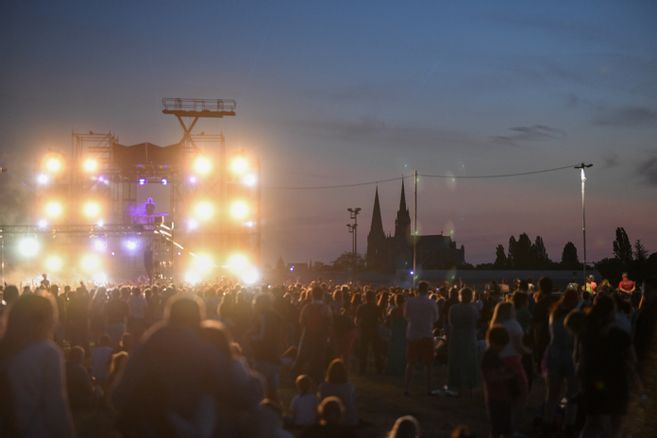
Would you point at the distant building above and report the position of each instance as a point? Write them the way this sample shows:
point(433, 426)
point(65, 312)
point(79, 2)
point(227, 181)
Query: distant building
point(390, 253)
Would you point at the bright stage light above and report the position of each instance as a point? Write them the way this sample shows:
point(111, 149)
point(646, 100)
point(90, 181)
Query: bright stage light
point(192, 179)
point(203, 263)
point(142, 181)
point(53, 263)
point(202, 165)
point(164, 181)
point(28, 247)
point(192, 224)
point(43, 179)
point(53, 164)
point(250, 276)
point(99, 245)
point(192, 277)
point(90, 166)
point(239, 210)
point(131, 244)
point(42, 224)
point(90, 262)
point(100, 278)
point(91, 209)
point(53, 209)
point(249, 224)
point(240, 266)
point(250, 180)
point(239, 165)
point(203, 211)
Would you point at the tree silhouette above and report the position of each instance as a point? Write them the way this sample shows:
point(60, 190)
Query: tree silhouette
point(622, 246)
point(640, 252)
point(569, 259)
point(501, 260)
point(539, 254)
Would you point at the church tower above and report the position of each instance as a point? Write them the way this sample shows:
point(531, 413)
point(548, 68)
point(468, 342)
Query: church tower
point(403, 221)
point(376, 238)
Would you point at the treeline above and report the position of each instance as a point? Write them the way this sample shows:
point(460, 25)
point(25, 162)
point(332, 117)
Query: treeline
point(523, 254)
point(628, 257)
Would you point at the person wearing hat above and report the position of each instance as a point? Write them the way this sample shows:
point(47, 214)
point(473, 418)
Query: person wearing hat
point(559, 366)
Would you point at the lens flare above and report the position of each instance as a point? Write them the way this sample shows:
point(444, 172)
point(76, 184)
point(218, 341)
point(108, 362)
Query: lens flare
point(90, 262)
point(91, 209)
point(53, 209)
point(28, 247)
point(239, 165)
point(250, 180)
point(203, 211)
point(53, 164)
point(202, 165)
point(90, 166)
point(53, 263)
point(43, 179)
point(239, 210)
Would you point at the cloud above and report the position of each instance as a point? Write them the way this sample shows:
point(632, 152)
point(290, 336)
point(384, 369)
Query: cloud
point(648, 170)
point(354, 93)
point(521, 134)
point(626, 116)
point(376, 131)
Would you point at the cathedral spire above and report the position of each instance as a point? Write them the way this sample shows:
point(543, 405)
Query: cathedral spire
point(402, 200)
point(376, 228)
point(403, 221)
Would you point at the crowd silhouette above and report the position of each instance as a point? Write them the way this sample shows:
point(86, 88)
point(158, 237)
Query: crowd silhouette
point(208, 360)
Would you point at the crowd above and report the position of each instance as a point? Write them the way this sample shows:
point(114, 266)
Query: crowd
point(207, 360)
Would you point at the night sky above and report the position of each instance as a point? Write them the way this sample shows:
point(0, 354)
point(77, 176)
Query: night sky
point(340, 92)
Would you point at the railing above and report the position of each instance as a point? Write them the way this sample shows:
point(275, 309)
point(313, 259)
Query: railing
point(172, 104)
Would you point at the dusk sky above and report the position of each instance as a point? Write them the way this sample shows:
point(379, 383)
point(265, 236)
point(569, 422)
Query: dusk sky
point(345, 92)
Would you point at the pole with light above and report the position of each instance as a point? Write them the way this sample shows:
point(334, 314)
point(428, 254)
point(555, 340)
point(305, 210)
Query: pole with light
point(581, 168)
point(353, 228)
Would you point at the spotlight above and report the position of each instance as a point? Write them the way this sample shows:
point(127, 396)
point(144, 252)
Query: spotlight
point(42, 224)
point(100, 245)
point(250, 276)
point(239, 210)
point(53, 263)
point(249, 224)
point(192, 179)
point(192, 224)
point(100, 223)
point(53, 209)
point(90, 165)
point(239, 165)
point(90, 262)
point(53, 164)
point(142, 181)
point(237, 262)
point(91, 209)
point(131, 244)
point(203, 262)
point(100, 278)
point(165, 181)
point(192, 277)
point(28, 247)
point(203, 211)
point(43, 179)
point(202, 165)
point(250, 180)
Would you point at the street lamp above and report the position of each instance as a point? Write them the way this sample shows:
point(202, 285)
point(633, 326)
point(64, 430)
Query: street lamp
point(353, 228)
point(581, 168)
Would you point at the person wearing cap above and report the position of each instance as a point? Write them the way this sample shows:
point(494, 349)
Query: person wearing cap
point(559, 364)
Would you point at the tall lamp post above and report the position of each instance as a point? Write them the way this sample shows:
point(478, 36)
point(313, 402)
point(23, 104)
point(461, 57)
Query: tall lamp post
point(581, 168)
point(353, 228)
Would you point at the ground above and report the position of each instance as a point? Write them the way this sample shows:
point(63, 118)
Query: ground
point(381, 401)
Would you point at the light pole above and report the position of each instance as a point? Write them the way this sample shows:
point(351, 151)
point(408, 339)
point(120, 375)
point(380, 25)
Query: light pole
point(353, 228)
point(581, 168)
